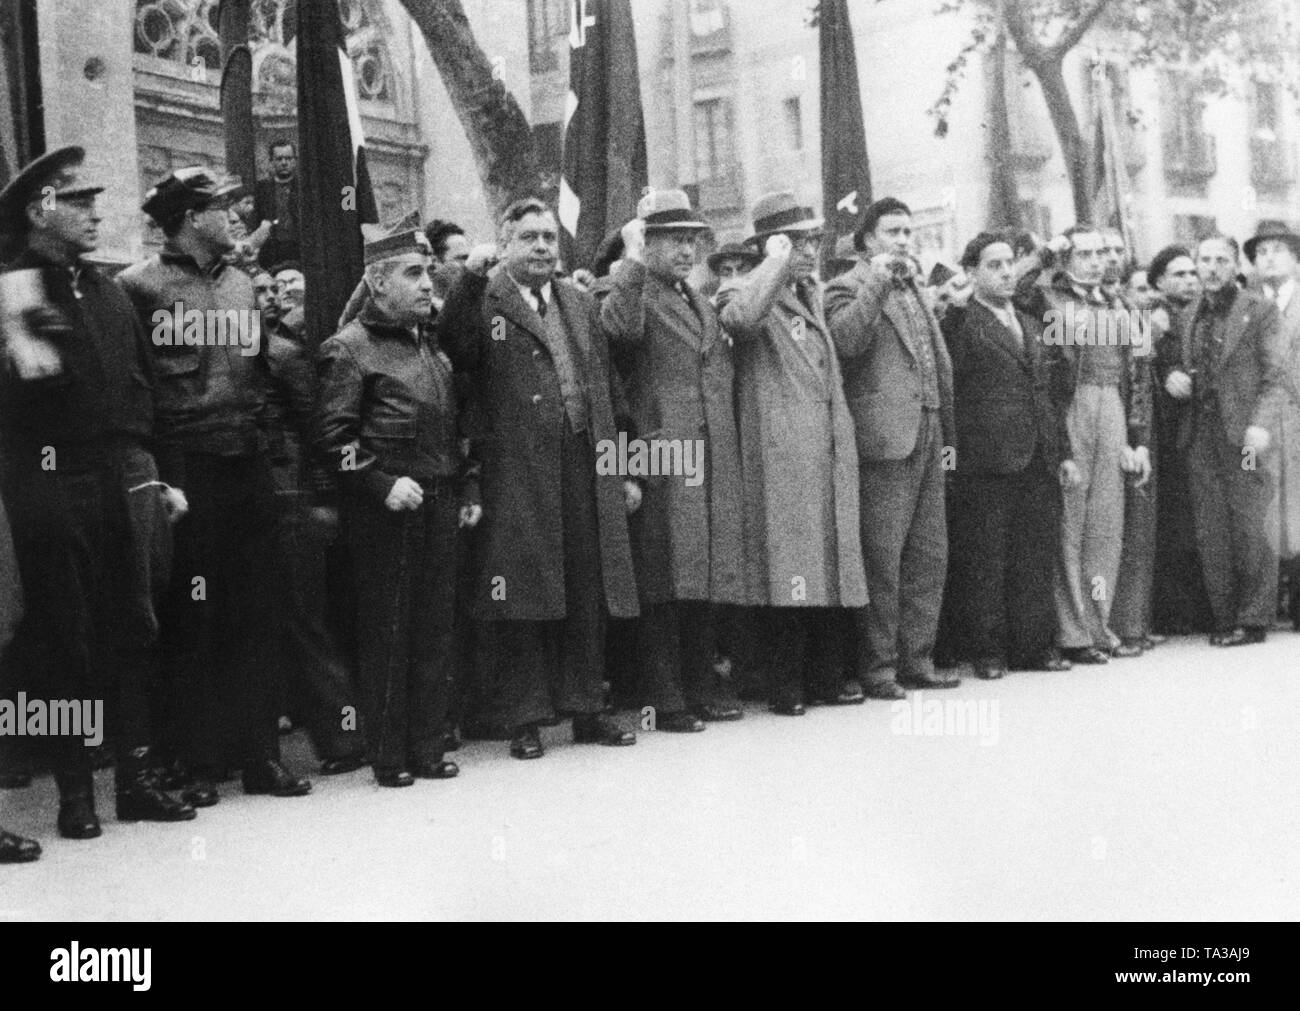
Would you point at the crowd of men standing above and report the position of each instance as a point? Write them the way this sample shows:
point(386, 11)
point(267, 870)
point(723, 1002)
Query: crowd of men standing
point(410, 533)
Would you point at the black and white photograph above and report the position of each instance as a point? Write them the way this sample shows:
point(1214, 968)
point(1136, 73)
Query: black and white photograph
point(471, 461)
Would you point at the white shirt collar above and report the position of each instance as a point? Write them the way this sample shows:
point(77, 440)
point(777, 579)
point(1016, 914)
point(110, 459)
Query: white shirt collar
point(1004, 313)
point(1283, 294)
point(527, 291)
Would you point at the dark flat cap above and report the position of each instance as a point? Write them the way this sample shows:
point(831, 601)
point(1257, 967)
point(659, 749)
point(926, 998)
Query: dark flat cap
point(189, 189)
point(60, 169)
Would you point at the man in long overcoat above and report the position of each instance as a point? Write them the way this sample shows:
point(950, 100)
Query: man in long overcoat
point(803, 557)
point(557, 561)
point(687, 535)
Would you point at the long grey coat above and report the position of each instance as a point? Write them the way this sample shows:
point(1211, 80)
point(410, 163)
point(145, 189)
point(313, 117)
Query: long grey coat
point(489, 331)
point(677, 365)
point(1282, 419)
point(798, 452)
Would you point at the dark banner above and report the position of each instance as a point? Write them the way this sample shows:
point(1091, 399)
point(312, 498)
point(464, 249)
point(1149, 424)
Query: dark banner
point(846, 174)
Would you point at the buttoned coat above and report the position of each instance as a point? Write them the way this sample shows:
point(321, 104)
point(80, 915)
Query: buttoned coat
point(1281, 416)
point(799, 458)
point(882, 374)
point(678, 369)
point(488, 330)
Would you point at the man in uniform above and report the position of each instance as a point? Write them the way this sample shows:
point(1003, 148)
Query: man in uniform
point(76, 419)
point(387, 420)
point(686, 537)
point(217, 636)
point(557, 560)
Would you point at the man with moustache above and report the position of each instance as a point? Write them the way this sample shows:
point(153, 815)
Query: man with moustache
point(557, 561)
point(1109, 420)
point(220, 694)
point(898, 383)
point(803, 559)
point(1014, 457)
point(1229, 372)
point(1179, 603)
point(1273, 252)
point(77, 417)
point(687, 541)
point(387, 421)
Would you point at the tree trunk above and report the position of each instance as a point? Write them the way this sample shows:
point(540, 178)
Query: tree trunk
point(498, 131)
point(1004, 202)
point(1066, 124)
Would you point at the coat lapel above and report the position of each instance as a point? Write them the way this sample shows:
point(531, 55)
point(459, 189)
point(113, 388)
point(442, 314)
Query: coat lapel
point(509, 302)
point(685, 325)
point(995, 333)
point(814, 330)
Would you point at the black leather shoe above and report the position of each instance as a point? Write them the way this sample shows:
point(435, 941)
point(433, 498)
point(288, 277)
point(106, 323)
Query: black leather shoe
point(679, 723)
point(1128, 648)
point(1052, 660)
point(936, 679)
point(139, 796)
point(1151, 640)
point(15, 780)
point(597, 728)
point(201, 793)
point(14, 849)
point(341, 766)
point(1087, 655)
point(788, 708)
point(1243, 637)
point(526, 743)
point(714, 713)
point(849, 694)
point(435, 770)
point(451, 741)
point(273, 779)
point(887, 690)
point(77, 819)
point(990, 670)
point(393, 777)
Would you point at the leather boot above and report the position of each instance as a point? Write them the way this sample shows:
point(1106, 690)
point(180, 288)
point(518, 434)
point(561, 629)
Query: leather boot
point(77, 818)
point(139, 794)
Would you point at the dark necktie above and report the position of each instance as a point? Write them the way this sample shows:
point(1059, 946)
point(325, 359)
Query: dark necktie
point(541, 302)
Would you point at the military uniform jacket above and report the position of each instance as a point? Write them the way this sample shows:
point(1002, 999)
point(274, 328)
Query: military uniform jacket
point(678, 370)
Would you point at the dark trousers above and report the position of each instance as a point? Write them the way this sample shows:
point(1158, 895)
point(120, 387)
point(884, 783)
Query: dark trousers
point(805, 652)
point(1231, 503)
point(476, 697)
point(1180, 604)
point(88, 552)
point(220, 676)
point(1131, 613)
point(1006, 529)
point(552, 667)
point(319, 683)
point(675, 650)
point(905, 547)
point(406, 592)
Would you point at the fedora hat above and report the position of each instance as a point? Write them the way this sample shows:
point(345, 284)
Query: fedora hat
point(668, 211)
point(59, 169)
point(1272, 230)
point(781, 212)
point(733, 251)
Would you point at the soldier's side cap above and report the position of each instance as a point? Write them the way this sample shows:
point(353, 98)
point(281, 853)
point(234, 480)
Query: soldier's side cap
point(406, 236)
point(781, 212)
point(668, 211)
point(1271, 231)
point(60, 169)
point(188, 189)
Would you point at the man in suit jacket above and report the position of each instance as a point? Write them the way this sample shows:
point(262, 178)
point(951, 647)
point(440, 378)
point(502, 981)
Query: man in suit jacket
point(276, 200)
point(1275, 252)
point(686, 537)
point(1230, 369)
point(1014, 454)
point(898, 383)
point(556, 557)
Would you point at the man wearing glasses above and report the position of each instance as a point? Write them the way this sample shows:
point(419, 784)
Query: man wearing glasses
point(898, 382)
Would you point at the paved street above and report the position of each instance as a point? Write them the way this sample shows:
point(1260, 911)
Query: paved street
point(1162, 787)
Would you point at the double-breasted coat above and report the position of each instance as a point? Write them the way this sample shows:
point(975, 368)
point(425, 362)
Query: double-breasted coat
point(687, 537)
point(488, 330)
point(798, 453)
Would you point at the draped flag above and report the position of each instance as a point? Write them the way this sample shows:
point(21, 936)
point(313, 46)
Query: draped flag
point(237, 90)
point(1111, 194)
point(846, 174)
point(334, 186)
point(604, 139)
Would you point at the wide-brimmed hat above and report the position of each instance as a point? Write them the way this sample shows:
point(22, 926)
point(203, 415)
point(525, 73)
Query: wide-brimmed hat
point(668, 211)
point(733, 251)
point(59, 169)
point(781, 212)
point(1272, 231)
